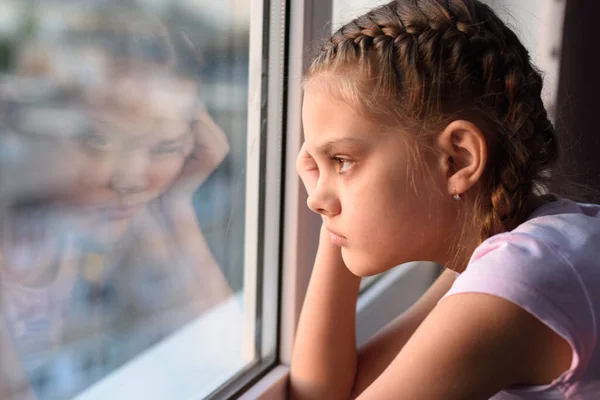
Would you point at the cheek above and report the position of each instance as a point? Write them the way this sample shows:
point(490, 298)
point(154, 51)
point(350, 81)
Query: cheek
point(388, 224)
point(95, 171)
point(376, 206)
point(85, 175)
point(163, 173)
point(371, 221)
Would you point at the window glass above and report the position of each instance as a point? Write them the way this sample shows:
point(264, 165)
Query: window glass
point(123, 130)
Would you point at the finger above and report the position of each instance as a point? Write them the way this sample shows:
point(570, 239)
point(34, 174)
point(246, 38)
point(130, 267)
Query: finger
point(304, 161)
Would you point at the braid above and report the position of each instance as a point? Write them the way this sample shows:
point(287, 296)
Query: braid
point(529, 143)
point(426, 62)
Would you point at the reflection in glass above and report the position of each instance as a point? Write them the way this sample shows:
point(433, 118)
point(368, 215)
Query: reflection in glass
point(105, 140)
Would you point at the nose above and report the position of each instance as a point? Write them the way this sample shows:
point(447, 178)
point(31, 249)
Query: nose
point(130, 174)
point(324, 201)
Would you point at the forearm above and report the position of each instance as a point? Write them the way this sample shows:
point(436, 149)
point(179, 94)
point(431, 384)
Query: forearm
point(324, 359)
point(375, 356)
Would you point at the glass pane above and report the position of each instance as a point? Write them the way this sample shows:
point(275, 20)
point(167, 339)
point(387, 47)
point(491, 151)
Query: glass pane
point(122, 197)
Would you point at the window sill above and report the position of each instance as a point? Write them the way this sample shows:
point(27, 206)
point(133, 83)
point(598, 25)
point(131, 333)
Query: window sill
point(202, 355)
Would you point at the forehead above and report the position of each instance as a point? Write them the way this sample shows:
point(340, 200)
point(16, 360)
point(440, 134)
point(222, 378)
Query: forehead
point(67, 122)
point(117, 123)
point(128, 106)
point(144, 104)
point(326, 118)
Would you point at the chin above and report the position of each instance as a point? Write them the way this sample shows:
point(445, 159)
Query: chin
point(108, 233)
point(363, 265)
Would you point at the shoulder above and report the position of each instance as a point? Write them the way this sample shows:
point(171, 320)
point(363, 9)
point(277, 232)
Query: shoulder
point(539, 277)
point(553, 245)
point(565, 225)
point(542, 271)
point(542, 264)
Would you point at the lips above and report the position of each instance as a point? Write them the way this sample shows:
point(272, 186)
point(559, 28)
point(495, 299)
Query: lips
point(336, 238)
point(122, 211)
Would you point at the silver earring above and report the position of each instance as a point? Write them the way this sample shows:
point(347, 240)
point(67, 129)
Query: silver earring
point(456, 195)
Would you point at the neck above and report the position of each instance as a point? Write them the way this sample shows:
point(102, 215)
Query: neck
point(461, 250)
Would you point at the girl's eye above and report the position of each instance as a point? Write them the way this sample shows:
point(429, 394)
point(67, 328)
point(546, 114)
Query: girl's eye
point(97, 142)
point(343, 164)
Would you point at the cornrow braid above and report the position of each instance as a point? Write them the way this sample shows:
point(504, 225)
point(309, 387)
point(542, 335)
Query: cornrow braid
point(424, 63)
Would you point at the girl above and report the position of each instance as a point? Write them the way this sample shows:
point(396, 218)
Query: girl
point(426, 139)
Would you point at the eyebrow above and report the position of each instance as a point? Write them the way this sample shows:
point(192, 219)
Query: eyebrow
point(326, 147)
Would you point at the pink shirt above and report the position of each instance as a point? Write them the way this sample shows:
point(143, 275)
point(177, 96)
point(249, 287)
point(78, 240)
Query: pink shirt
point(549, 266)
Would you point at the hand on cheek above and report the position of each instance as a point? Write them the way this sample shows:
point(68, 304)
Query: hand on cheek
point(307, 169)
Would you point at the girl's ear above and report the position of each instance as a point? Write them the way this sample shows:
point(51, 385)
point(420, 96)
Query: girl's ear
point(464, 155)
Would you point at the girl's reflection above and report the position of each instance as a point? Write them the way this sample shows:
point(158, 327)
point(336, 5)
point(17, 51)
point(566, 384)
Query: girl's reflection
point(108, 258)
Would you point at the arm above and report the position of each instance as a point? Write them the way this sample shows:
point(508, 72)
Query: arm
point(209, 147)
point(471, 346)
point(173, 236)
point(373, 357)
point(324, 355)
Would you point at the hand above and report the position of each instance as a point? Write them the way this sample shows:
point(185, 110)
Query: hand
point(307, 169)
point(208, 147)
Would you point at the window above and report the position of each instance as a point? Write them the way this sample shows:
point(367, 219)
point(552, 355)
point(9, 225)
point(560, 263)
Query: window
point(139, 241)
point(154, 237)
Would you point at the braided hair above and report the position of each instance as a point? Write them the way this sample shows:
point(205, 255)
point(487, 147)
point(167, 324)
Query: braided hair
point(424, 63)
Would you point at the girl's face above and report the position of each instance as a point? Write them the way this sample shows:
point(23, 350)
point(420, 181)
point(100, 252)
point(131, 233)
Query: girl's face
point(116, 163)
point(135, 145)
point(382, 209)
point(126, 161)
